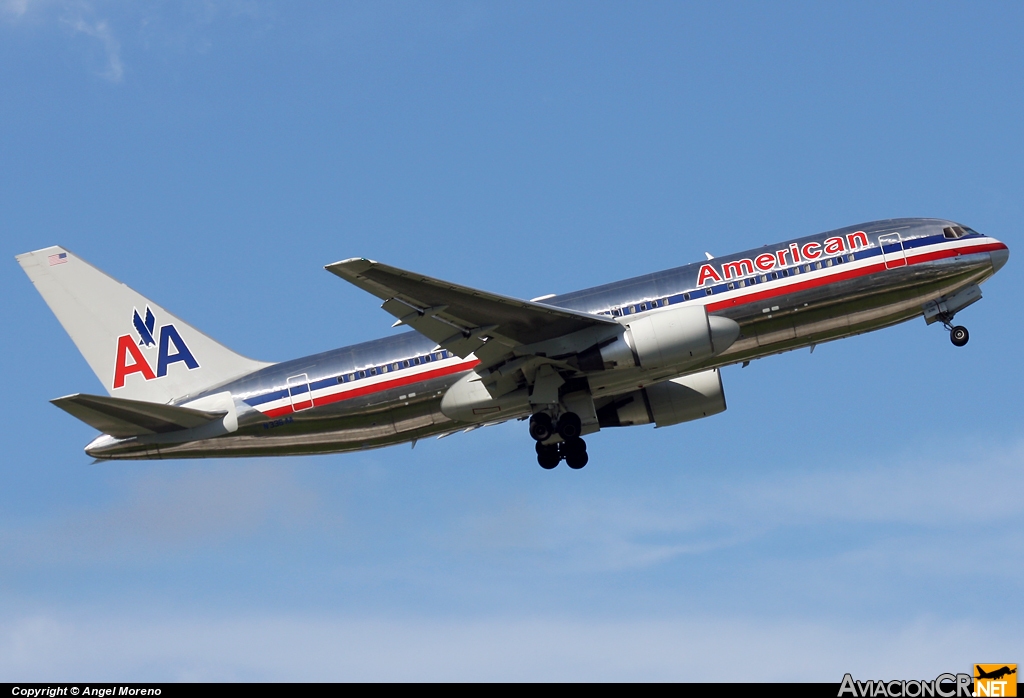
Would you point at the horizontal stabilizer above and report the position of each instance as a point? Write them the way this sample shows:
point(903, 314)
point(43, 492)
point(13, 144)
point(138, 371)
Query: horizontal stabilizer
point(123, 418)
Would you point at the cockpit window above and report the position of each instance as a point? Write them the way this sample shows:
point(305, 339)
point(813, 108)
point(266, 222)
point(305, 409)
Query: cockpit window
point(953, 232)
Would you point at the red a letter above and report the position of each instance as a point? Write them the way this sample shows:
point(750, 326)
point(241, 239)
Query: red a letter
point(834, 246)
point(125, 346)
point(707, 272)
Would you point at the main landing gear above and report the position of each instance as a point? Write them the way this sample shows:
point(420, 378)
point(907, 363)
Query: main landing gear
point(572, 449)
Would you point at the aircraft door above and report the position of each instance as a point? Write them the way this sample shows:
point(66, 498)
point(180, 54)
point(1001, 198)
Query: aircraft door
point(299, 393)
point(892, 250)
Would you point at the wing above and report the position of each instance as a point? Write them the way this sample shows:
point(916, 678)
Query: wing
point(461, 319)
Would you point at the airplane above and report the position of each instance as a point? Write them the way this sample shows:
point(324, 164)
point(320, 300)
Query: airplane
point(647, 350)
point(995, 674)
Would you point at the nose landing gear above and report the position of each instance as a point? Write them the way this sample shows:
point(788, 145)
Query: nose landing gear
point(959, 335)
point(572, 449)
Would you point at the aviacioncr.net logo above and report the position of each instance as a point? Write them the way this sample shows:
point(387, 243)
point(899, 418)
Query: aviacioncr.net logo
point(942, 686)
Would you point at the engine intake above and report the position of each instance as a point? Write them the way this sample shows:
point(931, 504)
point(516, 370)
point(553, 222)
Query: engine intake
point(676, 337)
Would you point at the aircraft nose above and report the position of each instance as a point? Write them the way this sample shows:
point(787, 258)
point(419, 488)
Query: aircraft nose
point(999, 258)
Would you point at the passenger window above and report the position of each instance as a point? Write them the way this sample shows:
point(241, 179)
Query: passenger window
point(817, 265)
point(775, 275)
point(632, 308)
point(764, 277)
point(807, 267)
point(849, 258)
point(708, 291)
point(341, 378)
point(731, 286)
point(828, 262)
point(360, 374)
point(616, 312)
point(686, 296)
point(406, 363)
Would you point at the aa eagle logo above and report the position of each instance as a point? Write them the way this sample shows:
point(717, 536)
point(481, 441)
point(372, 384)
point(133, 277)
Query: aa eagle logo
point(171, 349)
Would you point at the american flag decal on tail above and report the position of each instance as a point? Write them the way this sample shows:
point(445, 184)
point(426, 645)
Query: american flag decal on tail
point(61, 258)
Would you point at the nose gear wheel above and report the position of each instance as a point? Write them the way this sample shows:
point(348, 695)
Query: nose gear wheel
point(959, 336)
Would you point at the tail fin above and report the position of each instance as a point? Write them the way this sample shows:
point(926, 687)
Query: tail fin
point(137, 349)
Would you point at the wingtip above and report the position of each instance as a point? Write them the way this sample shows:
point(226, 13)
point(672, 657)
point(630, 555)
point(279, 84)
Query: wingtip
point(354, 265)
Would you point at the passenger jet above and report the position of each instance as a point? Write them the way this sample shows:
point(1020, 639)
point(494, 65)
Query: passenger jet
point(647, 350)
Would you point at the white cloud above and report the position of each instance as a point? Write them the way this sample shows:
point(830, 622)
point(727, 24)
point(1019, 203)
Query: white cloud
point(17, 8)
point(937, 494)
point(78, 15)
point(286, 648)
point(167, 511)
point(100, 30)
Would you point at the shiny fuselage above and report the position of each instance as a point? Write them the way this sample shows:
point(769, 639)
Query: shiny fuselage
point(321, 403)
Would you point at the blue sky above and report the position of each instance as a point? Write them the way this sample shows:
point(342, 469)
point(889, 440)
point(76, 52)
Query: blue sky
point(854, 510)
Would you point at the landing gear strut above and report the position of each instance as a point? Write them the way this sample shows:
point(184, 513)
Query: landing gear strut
point(572, 449)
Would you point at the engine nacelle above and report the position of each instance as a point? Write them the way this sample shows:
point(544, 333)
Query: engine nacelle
point(671, 402)
point(674, 337)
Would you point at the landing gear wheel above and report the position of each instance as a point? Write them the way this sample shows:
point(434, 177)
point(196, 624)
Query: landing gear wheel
point(548, 456)
point(569, 426)
point(541, 427)
point(959, 335)
point(574, 451)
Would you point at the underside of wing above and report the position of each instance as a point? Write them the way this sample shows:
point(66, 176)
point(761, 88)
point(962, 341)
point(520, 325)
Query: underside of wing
point(461, 319)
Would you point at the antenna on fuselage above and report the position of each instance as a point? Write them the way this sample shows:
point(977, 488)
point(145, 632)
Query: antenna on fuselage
point(708, 255)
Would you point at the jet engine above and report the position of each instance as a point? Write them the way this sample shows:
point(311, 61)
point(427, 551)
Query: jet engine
point(671, 402)
point(667, 338)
